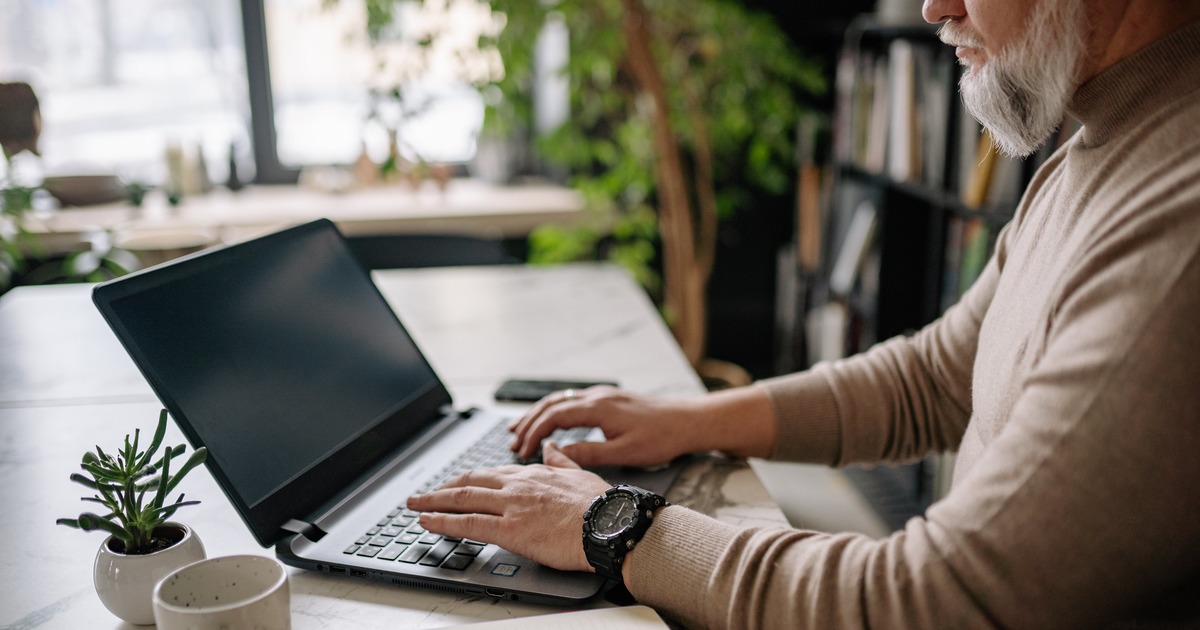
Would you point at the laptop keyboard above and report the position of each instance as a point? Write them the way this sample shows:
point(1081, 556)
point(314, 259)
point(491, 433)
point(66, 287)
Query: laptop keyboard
point(398, 537)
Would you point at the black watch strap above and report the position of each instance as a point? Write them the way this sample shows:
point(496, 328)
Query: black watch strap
point(606, 551)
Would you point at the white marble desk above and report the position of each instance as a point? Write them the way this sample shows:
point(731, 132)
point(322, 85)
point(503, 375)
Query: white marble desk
point(66, 385)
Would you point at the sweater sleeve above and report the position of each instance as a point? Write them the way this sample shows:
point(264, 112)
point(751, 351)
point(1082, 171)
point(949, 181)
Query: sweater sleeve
point(898, 401)
point(1083, 507)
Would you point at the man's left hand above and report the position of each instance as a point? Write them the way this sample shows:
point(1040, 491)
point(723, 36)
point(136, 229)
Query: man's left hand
point(535, 511)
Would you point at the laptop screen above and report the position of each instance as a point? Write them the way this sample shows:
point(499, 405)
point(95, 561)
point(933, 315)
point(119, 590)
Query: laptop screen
point(277, 354)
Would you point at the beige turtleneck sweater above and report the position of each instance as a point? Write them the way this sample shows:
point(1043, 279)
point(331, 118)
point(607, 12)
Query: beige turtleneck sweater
point(1068, 381)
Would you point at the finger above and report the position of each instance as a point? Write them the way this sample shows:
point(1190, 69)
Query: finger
point(567, 415)
point(590, 454)
point(466, 499)
point(543, 406)
point(532, 411)
point(520, 425)
point(481, 527)
point(553, 456)
point(482, 477)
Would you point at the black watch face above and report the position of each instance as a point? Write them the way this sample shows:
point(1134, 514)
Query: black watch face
point(614, 515)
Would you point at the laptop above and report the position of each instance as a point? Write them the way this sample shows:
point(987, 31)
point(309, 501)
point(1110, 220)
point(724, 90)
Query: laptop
point(320, 413)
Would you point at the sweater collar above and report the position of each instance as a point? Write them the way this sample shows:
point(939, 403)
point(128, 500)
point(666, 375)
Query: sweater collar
point(1137, 85)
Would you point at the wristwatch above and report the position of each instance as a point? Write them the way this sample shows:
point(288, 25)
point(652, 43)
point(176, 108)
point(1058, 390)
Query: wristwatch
point(614, 523)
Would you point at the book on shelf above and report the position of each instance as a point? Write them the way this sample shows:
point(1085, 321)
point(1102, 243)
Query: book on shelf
point(877, 133)
point(968, 247)
point(844, 109)
point(935, 82)
point(976, 246)
point(979, 174)
point(809, 181)
point(854, 248)
point(966, 146)
point(859, 119)
point(904, 132)
point(826, 327)
point(952, 261)
point(1007, 183)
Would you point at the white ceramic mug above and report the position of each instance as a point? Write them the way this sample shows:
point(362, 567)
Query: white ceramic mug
point(245, 591)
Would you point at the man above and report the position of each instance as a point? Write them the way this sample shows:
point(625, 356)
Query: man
point(1067, 379)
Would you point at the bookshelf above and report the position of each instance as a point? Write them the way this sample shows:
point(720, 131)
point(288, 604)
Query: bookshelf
point(913, 196)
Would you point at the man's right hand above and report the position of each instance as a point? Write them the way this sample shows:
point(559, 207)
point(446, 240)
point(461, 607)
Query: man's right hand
point(647, 431)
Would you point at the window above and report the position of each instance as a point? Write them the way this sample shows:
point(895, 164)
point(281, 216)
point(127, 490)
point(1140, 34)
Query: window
point(118, 80)
point(288, 83)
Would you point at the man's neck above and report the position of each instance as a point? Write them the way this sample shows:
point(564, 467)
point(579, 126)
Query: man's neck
point(1120, 29)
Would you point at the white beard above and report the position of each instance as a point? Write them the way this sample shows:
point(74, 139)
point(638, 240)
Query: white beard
point(1021, 94)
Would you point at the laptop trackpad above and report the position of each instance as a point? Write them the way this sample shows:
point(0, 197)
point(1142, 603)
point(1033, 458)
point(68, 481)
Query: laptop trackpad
point(507, 571)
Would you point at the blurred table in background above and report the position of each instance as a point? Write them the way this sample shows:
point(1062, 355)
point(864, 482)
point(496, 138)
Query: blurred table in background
point(158, 231)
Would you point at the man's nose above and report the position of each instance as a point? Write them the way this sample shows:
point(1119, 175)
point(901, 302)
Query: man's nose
point(936, 11)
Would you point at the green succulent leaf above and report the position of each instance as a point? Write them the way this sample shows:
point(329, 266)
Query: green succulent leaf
point(159, 433)
point(80, 479)
point(89, 522)
point(198, 456)
point(122, 484)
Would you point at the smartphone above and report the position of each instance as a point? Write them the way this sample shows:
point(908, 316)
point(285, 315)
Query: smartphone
point(531, 390)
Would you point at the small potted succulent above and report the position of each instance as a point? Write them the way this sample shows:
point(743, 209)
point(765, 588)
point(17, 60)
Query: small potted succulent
point(143, 546)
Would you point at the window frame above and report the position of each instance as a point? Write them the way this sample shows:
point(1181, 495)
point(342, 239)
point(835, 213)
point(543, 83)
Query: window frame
point(268, 169)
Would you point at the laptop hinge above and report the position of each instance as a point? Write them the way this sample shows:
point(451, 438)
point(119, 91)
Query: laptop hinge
point(462, 414)
point(307, 530)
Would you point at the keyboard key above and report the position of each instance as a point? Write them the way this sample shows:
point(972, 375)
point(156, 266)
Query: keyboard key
point(391, 531)
point(407, 539)
point(363, 540)
point(416, 528)
point(403, 521)
point(468, 550)
point(373, 531)
point(368, 551)
point(414, 553)
point(457, 562)
point(352, 549)
point(380, 541)
point(430, 538)
point(393, 552)
point(438, 553)
point(384, 522)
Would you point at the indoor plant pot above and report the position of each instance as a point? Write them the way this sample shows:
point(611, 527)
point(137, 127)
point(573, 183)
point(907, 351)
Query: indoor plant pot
point(125, 582)
point(143, 546)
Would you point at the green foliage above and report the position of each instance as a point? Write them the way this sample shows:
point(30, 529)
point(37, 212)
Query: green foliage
point(122, 482)
point(15, 201)
point(732, 76)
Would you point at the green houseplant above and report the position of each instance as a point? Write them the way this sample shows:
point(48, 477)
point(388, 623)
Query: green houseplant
point(143, 545)
point(20, 253)
point(682, 114)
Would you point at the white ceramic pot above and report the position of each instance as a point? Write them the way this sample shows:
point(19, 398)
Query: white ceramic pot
point(125, 583)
